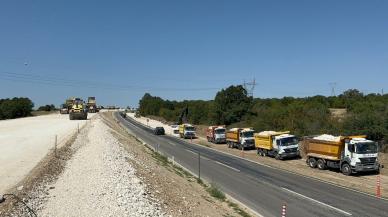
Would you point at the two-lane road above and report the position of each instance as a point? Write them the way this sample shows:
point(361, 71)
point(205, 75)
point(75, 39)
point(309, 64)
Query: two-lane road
point(263, 189)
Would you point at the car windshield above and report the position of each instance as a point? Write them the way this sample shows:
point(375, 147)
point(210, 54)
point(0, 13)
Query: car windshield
point(220, 131)
point(247, 134)
point(366, 148)
point(289, 141)
point(190, 128)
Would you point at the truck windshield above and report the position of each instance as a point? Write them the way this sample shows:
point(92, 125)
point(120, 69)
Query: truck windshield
point(366, 148)
point(220, 131)
point(190, 128)
point(289, 141)
point(247, 134)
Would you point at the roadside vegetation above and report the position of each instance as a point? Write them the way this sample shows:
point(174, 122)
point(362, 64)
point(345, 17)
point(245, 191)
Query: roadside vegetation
point(15, 108)
point(47, 108)
point(362, 114)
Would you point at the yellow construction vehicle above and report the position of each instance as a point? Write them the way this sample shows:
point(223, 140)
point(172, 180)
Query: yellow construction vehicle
point(78, 110)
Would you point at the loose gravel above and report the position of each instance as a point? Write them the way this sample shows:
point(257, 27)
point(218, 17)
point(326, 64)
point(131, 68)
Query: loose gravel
point(99, 181)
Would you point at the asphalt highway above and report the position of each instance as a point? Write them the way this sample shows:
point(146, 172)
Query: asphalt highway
point(261, 188)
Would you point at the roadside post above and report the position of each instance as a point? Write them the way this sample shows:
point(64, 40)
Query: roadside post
point(199, 165)
point(284, 210)
point(55, 145)
point(378, 186)
point(148, 120)
point(78, 128)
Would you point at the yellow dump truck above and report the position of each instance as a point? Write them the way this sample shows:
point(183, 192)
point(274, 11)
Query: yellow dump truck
point(91, 105)
point(350, 154)
point(78, 110)
point(187, 131)
point(241, 138)
point(277, 144)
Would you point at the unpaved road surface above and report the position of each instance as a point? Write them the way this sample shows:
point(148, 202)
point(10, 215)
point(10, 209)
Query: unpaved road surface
point(25, 141)
point(105, 171)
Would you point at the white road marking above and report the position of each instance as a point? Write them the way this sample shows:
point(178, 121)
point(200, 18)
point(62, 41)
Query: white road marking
point(237, 170)
point(191, 151)
point(318, 202)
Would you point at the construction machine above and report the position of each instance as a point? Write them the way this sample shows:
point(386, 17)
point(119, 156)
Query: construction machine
point(78, 110)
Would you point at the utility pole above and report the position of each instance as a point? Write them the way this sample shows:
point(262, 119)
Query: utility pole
point(333, 86)
point(250, 87)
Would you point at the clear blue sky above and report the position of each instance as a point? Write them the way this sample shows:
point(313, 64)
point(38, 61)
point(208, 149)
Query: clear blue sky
point(118, 50)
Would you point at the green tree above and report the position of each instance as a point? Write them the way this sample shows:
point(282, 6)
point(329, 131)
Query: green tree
point(231, 104)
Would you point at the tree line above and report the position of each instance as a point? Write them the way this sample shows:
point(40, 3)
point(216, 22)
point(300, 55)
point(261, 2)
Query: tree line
point(365, 114)
point(15, 108)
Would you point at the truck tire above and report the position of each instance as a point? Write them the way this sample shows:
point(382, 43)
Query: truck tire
point(346, 169)
point(321, 164)
point(277, 156)
point(263, 153)
point(312, 162)
point(259, 152)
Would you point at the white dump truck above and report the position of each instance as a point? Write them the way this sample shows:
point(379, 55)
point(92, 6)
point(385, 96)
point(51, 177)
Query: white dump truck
point(350, 154)
point(277, 144)
point(241, 138)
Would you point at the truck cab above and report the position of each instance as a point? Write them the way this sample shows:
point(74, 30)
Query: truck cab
point(286, 145)
point(246, 138)
point(187, 131)
point(359, 155)
point(220, 135)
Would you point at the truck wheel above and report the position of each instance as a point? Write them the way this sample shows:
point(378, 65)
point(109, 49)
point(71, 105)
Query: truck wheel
point(259, 152)
point(321, 164)
point(312, 162)
point(264, 153)
point(277, 156)
point(346, 170)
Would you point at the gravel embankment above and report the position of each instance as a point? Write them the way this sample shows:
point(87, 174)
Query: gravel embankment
point(99, 181)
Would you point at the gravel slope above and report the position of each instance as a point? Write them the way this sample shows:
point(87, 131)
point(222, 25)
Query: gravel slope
point(99, 181)
point(24, 142)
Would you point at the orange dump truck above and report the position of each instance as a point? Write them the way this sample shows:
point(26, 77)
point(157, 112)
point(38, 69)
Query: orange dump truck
point(216, 134)
point(350, 154)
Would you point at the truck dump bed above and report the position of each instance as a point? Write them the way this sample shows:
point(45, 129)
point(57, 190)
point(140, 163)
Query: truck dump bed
point(327, 149)
point(232, 134)
point(330, 150)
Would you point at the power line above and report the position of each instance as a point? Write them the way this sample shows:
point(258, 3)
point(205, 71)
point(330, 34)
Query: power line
point(49, 80)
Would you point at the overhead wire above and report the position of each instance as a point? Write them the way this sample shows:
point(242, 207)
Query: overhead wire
point(49, 80)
